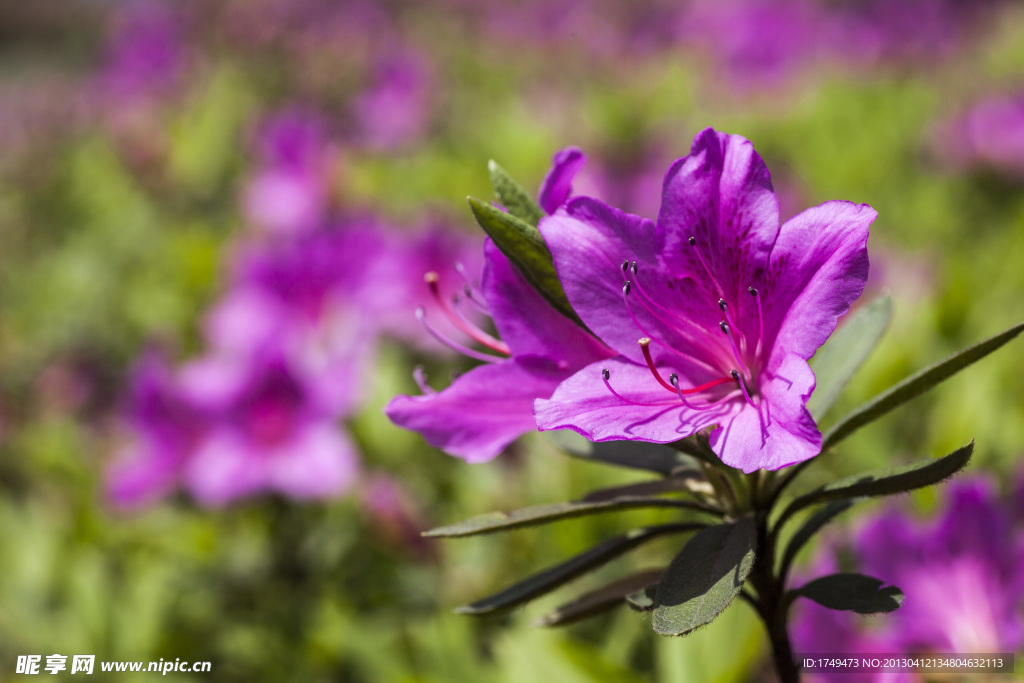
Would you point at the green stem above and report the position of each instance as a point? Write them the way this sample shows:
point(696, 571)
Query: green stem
point(772, 606)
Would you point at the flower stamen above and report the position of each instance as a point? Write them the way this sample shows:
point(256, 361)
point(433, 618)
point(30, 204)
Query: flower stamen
point(626, 289)
point(674, 380)
point(460, 321)
point(736, 376)
point(700, 257)
point(606, 375)
point(732, 342)
point(646, 299)
point(760, 319)
point(421, 315)
point(420, 377)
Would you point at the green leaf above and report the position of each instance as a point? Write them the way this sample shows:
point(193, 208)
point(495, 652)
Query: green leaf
point(587, 561)
point(512, 196)
point(553, 512)
point(523, 245)
point(705, 577)
point(845, 351)
point(682, 481)
point(885, 482)
point(632, 454)
point(852, 593)
point(915, 385)
point(810, 527)
point(643, 599)
point(602, 599)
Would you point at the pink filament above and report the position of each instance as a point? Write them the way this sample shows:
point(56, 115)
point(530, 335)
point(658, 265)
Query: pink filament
point(700, 257)
point(460, 322)
point(605, 375)
point(464, 350)
point(625, 299)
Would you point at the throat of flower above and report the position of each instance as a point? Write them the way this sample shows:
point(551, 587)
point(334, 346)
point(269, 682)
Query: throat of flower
point(645, 344)
point(735, 360)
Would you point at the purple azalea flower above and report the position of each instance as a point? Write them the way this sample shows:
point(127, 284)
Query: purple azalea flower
point(394, 284)
point(163, 427)
point(147, 52)
point(726, 305)
point(268, 431)
point(761, 42)
point(228, 426)
point(959, 573)
point(305, 295)
point(470, 419)
point(556, 188)
point(289, 192)
point(991, 134)
point(485, 409)
point(395, 110)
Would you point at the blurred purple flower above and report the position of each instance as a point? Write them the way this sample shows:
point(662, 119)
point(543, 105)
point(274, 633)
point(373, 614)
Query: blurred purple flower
point(396, 514)
point(312, 296)
point(394, 111)
point(901, 29)
point(163, 428)
point(147, 51)
point(269, 429)
point(990, 134)
point(959, 573)
point(228, 426)
point(288, 194)
point(487, 408)
point(734, 305)
point(760, 42)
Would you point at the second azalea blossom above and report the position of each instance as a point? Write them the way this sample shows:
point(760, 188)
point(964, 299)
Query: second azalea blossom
point(486, 409)
point(714, 309)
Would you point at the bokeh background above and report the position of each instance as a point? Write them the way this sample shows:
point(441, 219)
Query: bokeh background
point(165, 165)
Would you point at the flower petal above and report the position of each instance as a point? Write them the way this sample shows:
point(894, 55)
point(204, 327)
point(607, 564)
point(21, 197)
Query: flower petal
point(588, 241)
point(481, 412)
point(818, 268)
point(641, 411)
point(223, 467)
point(721, 195)
point(142, 473)
point(780, 432)
point(528, 323)
point(320, 461)
point(557, 186)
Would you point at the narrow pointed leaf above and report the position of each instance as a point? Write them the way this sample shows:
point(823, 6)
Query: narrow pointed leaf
point(705, 577)
point(683, 481)
point(845, 351)
point(602, 599)
point(523, 245)
point(636, 455)
point(512, 196)
point(587, 561)
point(916, 385)
point(885, 482)
point(853, 593)
point(553, 512)
point(811, 526)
